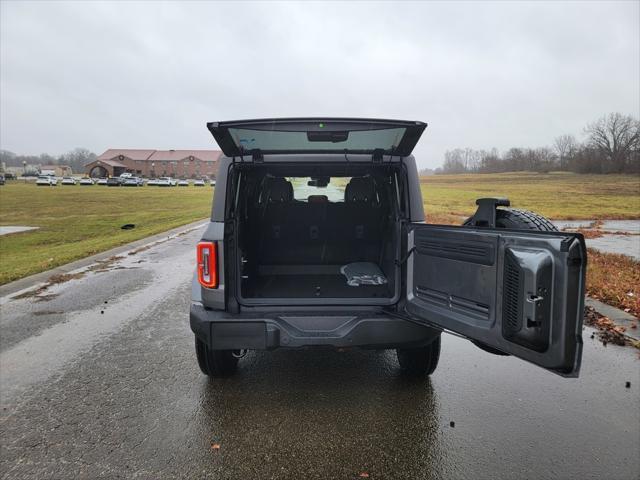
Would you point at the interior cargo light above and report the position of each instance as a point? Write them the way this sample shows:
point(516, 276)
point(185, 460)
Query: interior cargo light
point(208, 264)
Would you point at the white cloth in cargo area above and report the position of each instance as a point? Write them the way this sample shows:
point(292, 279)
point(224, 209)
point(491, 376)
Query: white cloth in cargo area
point(363, 273)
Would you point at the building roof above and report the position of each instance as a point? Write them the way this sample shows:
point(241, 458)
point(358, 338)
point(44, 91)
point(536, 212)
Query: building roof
point(112, 163)
point(132, 153)
point(173, 155)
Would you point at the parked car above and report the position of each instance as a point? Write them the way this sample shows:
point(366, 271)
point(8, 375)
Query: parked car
point(102, 181)
point(198, 183)
point(183, 183)
point(86, 181)
point(132, 182)
point(68, 181)
point(166, 182)
point(212, 182)
point(113, 182)
point(152, 181)
point(318, 238)
point(2, 180)
point(47, 180)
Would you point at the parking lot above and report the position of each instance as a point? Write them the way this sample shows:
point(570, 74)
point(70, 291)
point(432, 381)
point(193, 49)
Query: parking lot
point(127, 181)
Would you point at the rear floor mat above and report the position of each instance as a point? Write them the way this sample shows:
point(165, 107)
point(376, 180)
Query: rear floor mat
point(309, 286)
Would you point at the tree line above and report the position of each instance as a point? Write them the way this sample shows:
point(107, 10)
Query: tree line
point(76, 159)
point(611, 145)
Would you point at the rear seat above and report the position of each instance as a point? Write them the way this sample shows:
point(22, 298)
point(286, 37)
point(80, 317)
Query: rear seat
point(358, 222)
point(275, 226)
point(317, 231)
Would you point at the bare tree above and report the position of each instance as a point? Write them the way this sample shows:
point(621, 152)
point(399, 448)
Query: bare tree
point(565, 146)
point(77, 158)
point(617, 137)
point(454, 161)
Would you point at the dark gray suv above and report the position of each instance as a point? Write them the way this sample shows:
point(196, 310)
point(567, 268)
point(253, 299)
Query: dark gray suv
point(318, 238)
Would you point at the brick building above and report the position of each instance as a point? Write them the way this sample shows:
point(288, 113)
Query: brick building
point(156, 163)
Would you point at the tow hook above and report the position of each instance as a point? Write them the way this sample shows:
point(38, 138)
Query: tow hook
point(238, 353)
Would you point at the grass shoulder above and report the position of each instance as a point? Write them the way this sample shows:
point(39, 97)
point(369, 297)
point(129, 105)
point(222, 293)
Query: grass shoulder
point(75, 222)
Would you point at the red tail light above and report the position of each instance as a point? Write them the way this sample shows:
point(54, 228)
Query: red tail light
point(208, 264)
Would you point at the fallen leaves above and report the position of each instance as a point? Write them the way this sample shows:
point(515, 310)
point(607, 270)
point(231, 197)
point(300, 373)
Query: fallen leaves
point(588, 233)
point(64, 277)
point(608, 332)
point(215, 447)
point(363, 475)
point(615, 280)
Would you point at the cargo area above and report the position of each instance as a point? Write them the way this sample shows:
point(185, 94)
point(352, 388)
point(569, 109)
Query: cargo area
point(298, 228)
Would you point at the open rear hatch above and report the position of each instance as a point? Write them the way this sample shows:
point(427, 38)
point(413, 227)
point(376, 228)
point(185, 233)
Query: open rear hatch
point(320, 233)
point(317, 135)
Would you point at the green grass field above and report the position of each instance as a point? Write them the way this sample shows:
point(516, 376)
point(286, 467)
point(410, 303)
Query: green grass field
point(77, 221)
point(558, 196)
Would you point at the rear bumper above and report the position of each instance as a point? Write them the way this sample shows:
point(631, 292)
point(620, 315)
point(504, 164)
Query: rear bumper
point(223, 331)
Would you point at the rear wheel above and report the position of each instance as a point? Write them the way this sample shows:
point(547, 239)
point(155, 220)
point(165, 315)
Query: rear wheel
point(420, 361)
point(215, 363)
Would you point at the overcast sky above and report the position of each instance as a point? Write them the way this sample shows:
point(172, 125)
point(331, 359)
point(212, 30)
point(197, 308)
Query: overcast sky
point(151, 74)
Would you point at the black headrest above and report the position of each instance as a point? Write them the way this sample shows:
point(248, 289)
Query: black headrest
point(280, 190)
point(359, 189)
point(317, 199)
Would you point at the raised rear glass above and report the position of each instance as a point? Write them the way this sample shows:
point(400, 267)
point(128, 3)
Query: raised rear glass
point(317, 135)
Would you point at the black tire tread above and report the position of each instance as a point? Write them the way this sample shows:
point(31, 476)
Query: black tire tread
point(420, 361)
point(524, 220)
point(215, 363)
point(518, 219)
point(201, 355)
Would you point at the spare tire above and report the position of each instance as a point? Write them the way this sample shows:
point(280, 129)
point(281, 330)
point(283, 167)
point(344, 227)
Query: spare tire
point(516, 219)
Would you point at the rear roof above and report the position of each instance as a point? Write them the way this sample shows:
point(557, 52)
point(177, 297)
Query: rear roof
point(317, 135)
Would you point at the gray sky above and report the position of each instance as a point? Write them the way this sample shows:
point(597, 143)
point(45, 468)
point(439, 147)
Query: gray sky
point(151, 74)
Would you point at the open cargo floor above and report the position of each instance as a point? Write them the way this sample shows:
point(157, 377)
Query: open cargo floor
point(311, 286)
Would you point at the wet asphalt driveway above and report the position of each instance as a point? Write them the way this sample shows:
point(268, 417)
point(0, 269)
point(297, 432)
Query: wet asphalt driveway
point(98, 379)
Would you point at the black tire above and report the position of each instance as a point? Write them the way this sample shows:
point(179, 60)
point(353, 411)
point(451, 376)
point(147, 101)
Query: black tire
point(215, 363)
point(517, 219)
point(420, 361)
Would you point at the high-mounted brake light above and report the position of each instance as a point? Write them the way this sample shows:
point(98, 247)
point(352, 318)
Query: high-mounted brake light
point(208, 264)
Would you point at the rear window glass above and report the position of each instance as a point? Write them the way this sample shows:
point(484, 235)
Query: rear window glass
point(280, 141)
point(334, 191)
